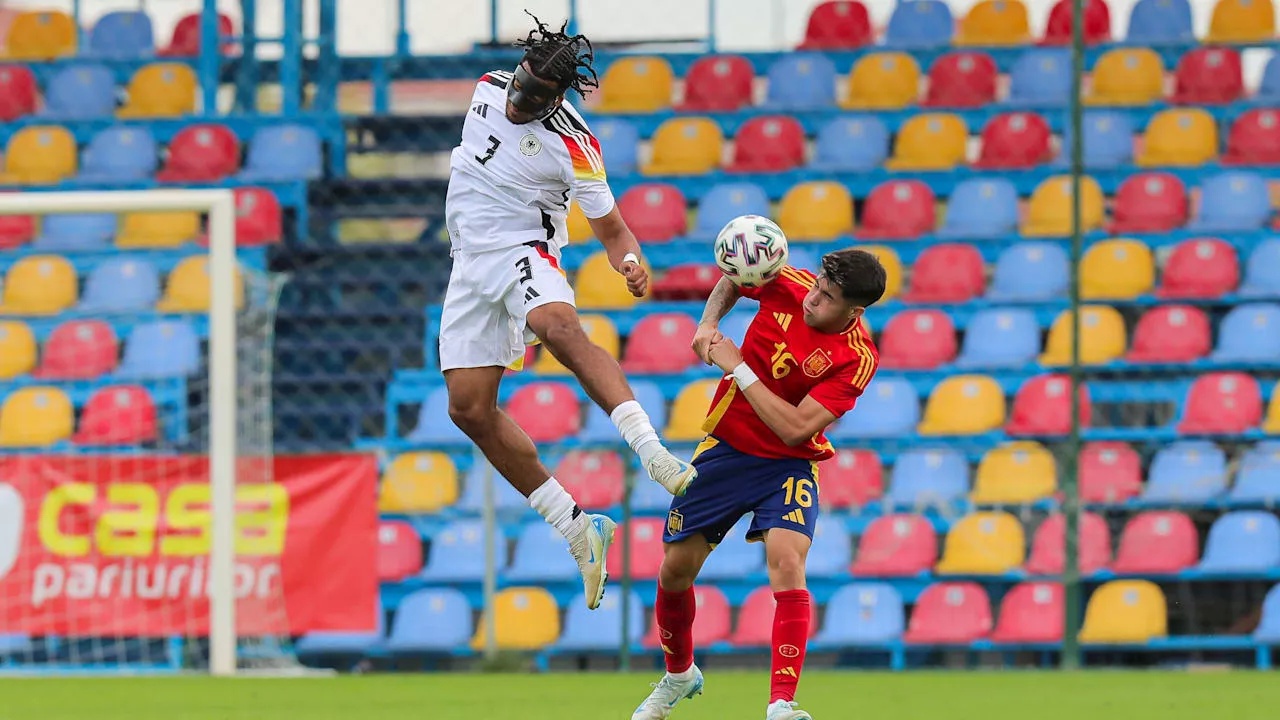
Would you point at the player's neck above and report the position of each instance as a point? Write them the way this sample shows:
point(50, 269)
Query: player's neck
point(839, 328)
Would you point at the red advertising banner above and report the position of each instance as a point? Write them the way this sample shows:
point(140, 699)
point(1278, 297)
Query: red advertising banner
point(101, 545)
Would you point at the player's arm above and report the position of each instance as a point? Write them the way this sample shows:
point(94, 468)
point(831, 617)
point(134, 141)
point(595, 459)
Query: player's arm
point(722, 299)
point(793, 424)
point(622, 248)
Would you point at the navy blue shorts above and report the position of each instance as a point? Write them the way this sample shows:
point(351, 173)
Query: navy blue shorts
point(782, 493)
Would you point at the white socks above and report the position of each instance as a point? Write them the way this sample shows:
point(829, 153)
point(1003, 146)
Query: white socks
point(685, 676)
point(633, 423)
point(558, 508)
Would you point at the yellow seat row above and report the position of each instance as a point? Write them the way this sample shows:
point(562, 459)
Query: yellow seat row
point(47, 285)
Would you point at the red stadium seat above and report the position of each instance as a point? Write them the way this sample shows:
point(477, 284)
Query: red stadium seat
point(547, 411)
point(686, 282)
point(896, 546)
point(16, 231)
point(1110, 472)
point(838, 25)
point(646, 547)
point(1204, 268)
point(947, 273)
point(962, 80)
point(1222, 403)
point(1042, 406)
point(259, 220)
point(186, 36)
point(950, 613)
point(899, 209)
point(755, 619)
point(655, 212)
point(120, 415)
point(718, 83)
point(661, 343)
point(201, 153)
point(1171, 334)
point(1149, 202)
point(1207, 76)
point(769, 143)
point(1254, 139)
point(850, 478)
point(1049, 546)
point(712, 622)
point(1031, 613)
point(1015, 140)
point(17, 92)
point(918, 340)
point(79, 350)
point(595, 478)
point(1157, 542)
point(1097, 23)
point(399, 551)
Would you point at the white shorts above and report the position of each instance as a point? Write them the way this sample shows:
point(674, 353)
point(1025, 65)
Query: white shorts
point(490, 294)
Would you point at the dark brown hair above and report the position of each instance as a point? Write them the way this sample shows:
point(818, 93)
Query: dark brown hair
point(859, 275)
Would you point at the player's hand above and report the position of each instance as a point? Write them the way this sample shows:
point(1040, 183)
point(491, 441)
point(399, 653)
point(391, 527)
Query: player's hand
point(725, 354)
point(703, 339)
point(637, 278)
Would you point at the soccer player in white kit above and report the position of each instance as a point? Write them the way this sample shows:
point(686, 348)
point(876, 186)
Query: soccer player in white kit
point(525, 153)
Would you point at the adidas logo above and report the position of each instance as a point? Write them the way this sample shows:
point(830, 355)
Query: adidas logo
point(784, 319)
point(530, 294)
point(787, 671)
point(794, 516)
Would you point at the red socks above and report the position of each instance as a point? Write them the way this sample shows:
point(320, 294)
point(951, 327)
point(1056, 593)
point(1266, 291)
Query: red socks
point(790, 636)
point(675, 611)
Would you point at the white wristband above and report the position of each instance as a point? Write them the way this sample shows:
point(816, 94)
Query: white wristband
point(745, 376)
point(631, 257)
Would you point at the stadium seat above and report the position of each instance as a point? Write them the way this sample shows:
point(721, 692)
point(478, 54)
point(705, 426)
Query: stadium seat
point(120, 154)
point(595, 478)
point(121, 285)
point(801, 81)
point(1208, 76)
point(399, 551)
point(161, 349)
point(983, 543)
point(689, 410)
point(1238, 21)
point(962, 80)
point(1245, 541)
point(452, 555)
point(39, 155)
point(547, 411)
point(1268, 630)
point(122, 35)
point(646, 547)
point(851, 143)
point(1108, 141)
point(18, 93)
point(1049, 212)
point(600, 429)
point(964, 405)
point(1041, 78)
point(1262, 271)
point(1233, 201)
point(524, 618)
point(1269, 89)
point(541, 556)
point(817, 210)
point(599, 286)
point(838, 25)
point(863, 614)
point(896, 546)
point(893, 271)
point(898, 209)
point(1222, 403)
point(1157, 542)
point(1271, 425)
point(755, 619)
point(1161, 22)
point(981, 208)
point(601, 630)
point(35, 416)
point(1110, 472)
point(75, 231)
point(638, 84)
point(661, 343)
point(258, 217)
point(1030, 271)
point(508, 501)
point(850, 478)
point(1204, 268)
point(599, 329)
point(434, 426)
point(1258, 481)
point(718, 83)
point(283, 153)
point(1250, 333)
point(768, 143)
point(655, 212)
point(1117, 269)
point(324, 643)
point(1102, 340)
point(1127, 76)
point(576, 223)
point(930, 142)
point(160, 90)
point(995, 22)
point(693, 281)
point(1170, 334)
point(888, 409)
point(1049, 545)
point(712, 621)
point(17, 349)
point(1097, 23)
point(1001, 337)
point(41, 35)
point(188, 288)
point(685, 146)
point(922, 24)
point(1254, 139)
point(119, 415)
point(1149, 202)
point(947, 273)
point(1015, 140)
point(1179, 137)
point(185, 41)
point(883, 81)
point(80, 92)
point(935, 477)
point(157, 230)
point(726, 201)
point(1042, 406)
point(202, 153)
point(430, 621)
point(950, 613)
point(1031, 612)
point(917, 340)
point(39, 285)
point(418, 483)
point(1125, 611)
point(734, 558)
point(619, 144)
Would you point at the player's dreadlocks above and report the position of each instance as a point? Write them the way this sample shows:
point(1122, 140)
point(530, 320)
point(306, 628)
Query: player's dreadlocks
point(558, 57)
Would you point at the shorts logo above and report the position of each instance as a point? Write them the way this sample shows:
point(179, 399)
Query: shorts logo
point(817, 363)
point(795, 516)
point(789, 651)
point(675, 522)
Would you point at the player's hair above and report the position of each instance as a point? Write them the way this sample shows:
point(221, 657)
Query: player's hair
point(557, 57)
point(858, 273)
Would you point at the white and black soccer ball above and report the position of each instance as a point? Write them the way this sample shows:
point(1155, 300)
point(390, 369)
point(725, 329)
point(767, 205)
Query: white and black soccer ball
point(751, 250)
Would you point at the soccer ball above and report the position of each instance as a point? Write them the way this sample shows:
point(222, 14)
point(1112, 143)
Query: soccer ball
point(751, 250)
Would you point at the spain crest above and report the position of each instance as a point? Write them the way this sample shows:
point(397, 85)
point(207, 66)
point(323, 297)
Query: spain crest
point(675, 522)
point(817, 363)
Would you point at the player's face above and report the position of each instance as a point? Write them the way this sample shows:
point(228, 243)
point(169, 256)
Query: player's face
point(529, 97)
point(826, 310)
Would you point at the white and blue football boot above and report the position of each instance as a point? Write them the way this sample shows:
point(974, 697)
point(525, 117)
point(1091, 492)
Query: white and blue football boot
point(666, 694)
point(591, 551)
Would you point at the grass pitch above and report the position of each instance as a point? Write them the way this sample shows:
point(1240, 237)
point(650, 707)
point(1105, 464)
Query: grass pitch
point(729, 696)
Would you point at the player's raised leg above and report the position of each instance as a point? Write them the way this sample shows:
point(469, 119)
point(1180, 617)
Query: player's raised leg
point(786, 552)
point(674, 612)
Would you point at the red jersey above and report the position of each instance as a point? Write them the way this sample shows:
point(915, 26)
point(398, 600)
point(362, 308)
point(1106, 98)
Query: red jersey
point(793, 360)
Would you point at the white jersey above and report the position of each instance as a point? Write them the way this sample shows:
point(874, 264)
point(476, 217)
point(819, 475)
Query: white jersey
point(511, 184)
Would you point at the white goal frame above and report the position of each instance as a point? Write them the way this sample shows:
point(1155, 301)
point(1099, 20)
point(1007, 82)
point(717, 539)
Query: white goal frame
point(219, 205)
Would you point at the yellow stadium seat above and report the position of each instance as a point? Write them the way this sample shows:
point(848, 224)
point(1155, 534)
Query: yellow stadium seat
point(930, 141)
point(1125, 611)
point(1240, 21)
point(1049, 210)
point(816, 210)
point(1272, 423)
point(884, 81)
point(1127, 76)
point(1179, 136)
point(984, 543)
point(188, 287)
point(1016, 473)
point(39, 285)
point(17, 349)
point(418, 482)
point(158, 229)
point(964, 405)
point(1118, 269)
point(524, 618)
point(35, 416)
point(42, 35)
point(40, 155)
point(161, 90)
point(602, 332)
point(636, 85)
point(600, 286)
point(888, 257)
point(1103, 339)
point(685, 423)
point(686, 146)
point(995, 22)
point(579, 228)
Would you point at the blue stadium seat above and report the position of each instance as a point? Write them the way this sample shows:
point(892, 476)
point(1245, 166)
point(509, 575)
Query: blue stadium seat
point(927, 478)
point(78, 231)
point(1108, 141)
point(832, 549)
point(619, 144)
point(889, 408)
point(803, 257)
point(283, 153)
point(1232, 202)
point(1041, 77)
point(122, 35)
point(15, 645)
point(80, 92)
point(920, 24)
point(1269, 626)
point(981, 208)
point(851, 143)
point(342, 643)
point(600, 630)
point(1269, 88)
point(121, 285)
point(1242, 541)
point(434, 425)
point(1160, 22)
point(120, 153)
point(734, 325)
point(1262, 270)
point(541, 555)
point(863, 614)
point(650, 497)
point(801, 81)
point(435, 620)
point(1249, 333)
point(1000, 337)
point(734, 558)
point(507, 499)
point(1190, 472)
point(726, 201)
point(454, 550)
point(1030, 271)
point(600, 429)
point(161, 349)
point(1259, 478)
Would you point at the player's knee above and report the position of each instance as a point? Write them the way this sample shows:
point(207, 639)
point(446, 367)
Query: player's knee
point(676, 576)
point(787, 568)
point(565, 340)
point(471, 417)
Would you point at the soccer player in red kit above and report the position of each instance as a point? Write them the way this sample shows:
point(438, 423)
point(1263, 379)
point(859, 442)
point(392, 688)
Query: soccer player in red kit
point(806, 358)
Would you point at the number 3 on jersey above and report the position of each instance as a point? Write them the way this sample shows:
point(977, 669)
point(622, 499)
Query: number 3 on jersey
point(493, 148)
point(799, 492)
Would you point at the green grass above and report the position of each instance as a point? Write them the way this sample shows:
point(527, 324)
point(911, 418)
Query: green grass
point(730, 696)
